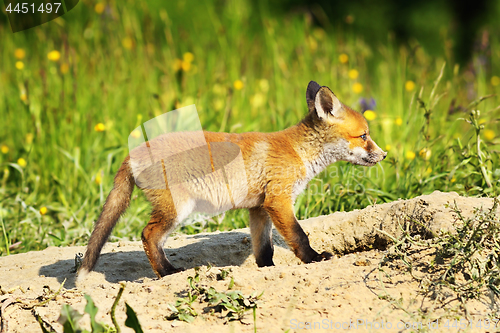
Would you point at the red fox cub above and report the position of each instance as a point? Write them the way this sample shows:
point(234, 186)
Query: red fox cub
point(276, 168)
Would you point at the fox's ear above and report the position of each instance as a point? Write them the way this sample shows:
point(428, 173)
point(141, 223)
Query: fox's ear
point(312, 89)
point(327, 104)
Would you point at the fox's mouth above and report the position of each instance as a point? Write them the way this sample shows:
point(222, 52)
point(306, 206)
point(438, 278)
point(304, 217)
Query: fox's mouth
point(369, 163)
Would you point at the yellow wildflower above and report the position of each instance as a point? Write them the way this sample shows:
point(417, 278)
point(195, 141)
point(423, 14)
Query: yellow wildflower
point(4, 149)
point(219, 104)
point(398, 121)
point(98, 179)
point(357, 87)
point(99, 127)
point(489, 134)
point(409, 85)
point(128, 43)
point(257, 100)
point(135, 134)
point(425, 153)
point(186, 66)
point(353, 74)
point(410, 155)
point(388, 147)
point(238, 84)
point(54, 55)
point(343, 58)
point(99, 8)
point(23, 96)
point(188, 56)
point(64, 68)
point(19, 65)
point(22, 162)
point(29, 138)
point(370, 115)
point(43, 210)
point(19, 53)
point(495, 80)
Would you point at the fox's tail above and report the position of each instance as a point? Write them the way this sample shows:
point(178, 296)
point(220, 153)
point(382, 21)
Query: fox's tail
point(117, 202)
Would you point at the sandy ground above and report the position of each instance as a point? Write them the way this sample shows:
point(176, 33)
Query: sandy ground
point(349, 291)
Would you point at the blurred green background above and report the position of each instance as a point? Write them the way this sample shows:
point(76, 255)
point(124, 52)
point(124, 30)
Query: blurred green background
point(73, 89)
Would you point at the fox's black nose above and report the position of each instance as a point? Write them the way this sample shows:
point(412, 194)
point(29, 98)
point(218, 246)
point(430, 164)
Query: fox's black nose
point(385, 155)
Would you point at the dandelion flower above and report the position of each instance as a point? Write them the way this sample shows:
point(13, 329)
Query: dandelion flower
point(43, 210)
point(357, 88)
point(219, 104)
point(343, 58)
point(99, 8)
point(453, 180)
point(410, 155)
point(425, 153)
point(100, 127)
point(398, 121)
point(495, 80)
point(22, 162)
point(29, 138)
point(353, 74)
point(128, 43)
point(428, 170)
point(64, 68)
point(388, 147)
point(188, 56)
point(370, 115)
point(489, 134)
point(238, 84)
point(186, 66)
point(135, 134)
point(19, 65)
point(4, 149)
point(54, 55)
point(409, 85)
point(19, 54)
point(98, 179)
point(257, 100)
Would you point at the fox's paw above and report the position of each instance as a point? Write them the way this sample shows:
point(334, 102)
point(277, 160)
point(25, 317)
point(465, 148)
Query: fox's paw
point(171, 271)
point(323, 256)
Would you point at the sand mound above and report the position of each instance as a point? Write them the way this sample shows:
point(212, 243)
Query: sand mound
point(348, 290)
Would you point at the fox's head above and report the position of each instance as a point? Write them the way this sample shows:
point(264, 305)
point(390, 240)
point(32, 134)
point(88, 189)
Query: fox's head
point(344, 132)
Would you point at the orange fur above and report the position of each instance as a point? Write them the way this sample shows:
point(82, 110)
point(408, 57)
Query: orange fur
point(275, 169)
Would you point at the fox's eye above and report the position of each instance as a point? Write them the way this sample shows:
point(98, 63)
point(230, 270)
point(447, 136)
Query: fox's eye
point(363, 137)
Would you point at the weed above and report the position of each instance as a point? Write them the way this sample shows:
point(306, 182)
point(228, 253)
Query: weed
point(231, 304)
point(69, 317)
point(466, 264)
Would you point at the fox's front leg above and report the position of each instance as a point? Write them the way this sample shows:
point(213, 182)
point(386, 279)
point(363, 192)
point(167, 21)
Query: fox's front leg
point(262, 237)
point(280, 209)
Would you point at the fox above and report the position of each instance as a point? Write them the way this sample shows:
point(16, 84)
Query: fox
point(277, 167)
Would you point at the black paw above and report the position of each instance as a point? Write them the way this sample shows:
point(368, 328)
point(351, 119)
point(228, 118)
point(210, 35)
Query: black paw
point(323, 256)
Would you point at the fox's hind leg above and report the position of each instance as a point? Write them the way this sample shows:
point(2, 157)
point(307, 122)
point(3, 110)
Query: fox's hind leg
point(262, 241)
point(164, 218)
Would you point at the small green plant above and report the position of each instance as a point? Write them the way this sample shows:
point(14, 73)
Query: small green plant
point(466, 262)
point(232, 303)
point(69, 317)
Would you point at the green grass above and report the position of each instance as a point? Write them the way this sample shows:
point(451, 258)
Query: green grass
point(118, 68)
